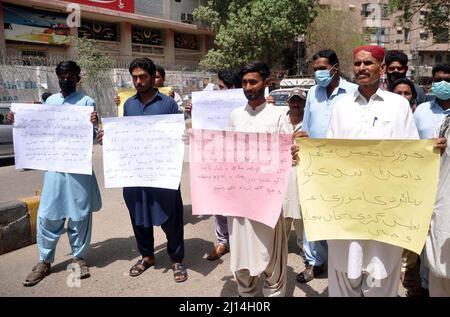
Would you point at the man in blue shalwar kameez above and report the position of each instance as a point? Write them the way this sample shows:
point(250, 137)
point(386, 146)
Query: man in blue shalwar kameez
point(65, 195)
point(150, 206)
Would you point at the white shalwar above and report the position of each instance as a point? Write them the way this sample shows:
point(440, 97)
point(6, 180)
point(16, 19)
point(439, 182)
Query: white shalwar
point(291, 203)
point(384, 116)
point(254, 247)
point(437, 246)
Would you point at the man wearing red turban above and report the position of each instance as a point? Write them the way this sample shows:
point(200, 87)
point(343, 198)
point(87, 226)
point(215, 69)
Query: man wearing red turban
point(367, 267)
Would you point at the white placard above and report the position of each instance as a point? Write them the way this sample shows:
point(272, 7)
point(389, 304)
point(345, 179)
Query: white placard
point(53, 138)
point(143, 151)
point(211, 109)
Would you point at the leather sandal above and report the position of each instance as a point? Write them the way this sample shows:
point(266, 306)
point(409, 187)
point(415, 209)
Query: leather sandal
point(84, 270)
point(39, 272)
point(179, 272)
point(140, 267)
point(218, 251)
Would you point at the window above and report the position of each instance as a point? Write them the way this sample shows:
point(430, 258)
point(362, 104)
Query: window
point(448, 58)
point(98, 30)
point(187, 17)
point(423, 35)
point(143, 35)
point(441, 35)
point(385, 11)
point(365, 9)
point(406, 36)
point(438, 59)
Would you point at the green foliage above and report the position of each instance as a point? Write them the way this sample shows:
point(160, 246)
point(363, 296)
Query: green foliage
point(337, 30)
point(254, 29)
point(94, 64)
point(437, 12)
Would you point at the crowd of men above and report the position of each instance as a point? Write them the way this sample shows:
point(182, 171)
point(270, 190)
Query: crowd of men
point(334, 108)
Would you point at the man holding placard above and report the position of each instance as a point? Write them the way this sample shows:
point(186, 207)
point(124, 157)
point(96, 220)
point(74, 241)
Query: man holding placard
point(256, 248)
point(151, 206)
point(65, 195)
point(368, 267)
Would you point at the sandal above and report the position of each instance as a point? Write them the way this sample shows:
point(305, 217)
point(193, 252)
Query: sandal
point(84, 270)
point(179, 272)
point(140, 267)
point(218, 251)
point(310, 273)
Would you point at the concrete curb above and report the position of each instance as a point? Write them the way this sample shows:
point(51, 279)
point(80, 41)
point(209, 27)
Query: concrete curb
point(18, 223)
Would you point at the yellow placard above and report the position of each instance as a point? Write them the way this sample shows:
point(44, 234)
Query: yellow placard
point(165, 90)
point(380, 190)
point(125, 93)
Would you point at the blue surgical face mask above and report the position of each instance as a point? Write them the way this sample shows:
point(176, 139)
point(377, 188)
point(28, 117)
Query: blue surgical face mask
point(323, 77)
point(441, 90)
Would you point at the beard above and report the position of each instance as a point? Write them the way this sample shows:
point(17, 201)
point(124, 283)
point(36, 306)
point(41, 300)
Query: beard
point(143, 89)
point(251, 96)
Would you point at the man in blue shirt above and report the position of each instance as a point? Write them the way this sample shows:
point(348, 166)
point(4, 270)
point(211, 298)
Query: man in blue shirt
point(428, 117)
point(319, 105)
point(150, 206)
point(65, 195)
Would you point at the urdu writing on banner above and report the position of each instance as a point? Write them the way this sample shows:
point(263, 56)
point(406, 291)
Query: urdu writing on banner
point(368, 189)
point(239, 174)
point(143, 151)
point(53, 138)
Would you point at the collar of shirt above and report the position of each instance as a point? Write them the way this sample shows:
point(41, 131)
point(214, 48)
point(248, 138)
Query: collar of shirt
point(434, 104)
point(342, 88)
point(378, 95)
point(156, 97)
point(257, 110)
point(68, 96)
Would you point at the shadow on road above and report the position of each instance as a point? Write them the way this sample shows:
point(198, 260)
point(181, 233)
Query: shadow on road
point(191, 219)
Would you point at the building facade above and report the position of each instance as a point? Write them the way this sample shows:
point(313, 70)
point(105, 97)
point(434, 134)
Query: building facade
point(162, 30)
point(424, 48)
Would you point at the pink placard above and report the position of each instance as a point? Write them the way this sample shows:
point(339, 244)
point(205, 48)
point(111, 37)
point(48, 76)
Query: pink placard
point(239, 174)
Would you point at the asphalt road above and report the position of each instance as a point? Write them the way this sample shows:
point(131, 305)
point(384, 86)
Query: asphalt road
point(114, 252)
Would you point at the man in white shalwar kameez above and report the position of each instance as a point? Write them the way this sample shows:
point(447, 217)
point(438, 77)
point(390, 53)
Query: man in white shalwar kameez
point(366, 267)
point(437, 246)
point(255, 248)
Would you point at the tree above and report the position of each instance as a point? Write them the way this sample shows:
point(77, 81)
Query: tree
point(92, 61)
point(254, 29)
point(435, 12)
point(96, 77)
point(337, 30)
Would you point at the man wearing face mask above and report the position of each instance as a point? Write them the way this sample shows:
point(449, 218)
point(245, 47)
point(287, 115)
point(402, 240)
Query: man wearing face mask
point(431, 114)
point(429, 117)
point(65, 195)
point(397, 67)
point(319, 105)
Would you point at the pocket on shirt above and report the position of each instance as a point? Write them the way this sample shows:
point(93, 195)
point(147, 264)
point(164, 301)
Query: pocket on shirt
point(383, 129)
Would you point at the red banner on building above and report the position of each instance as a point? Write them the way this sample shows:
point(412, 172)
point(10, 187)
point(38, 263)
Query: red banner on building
point(118, 5)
